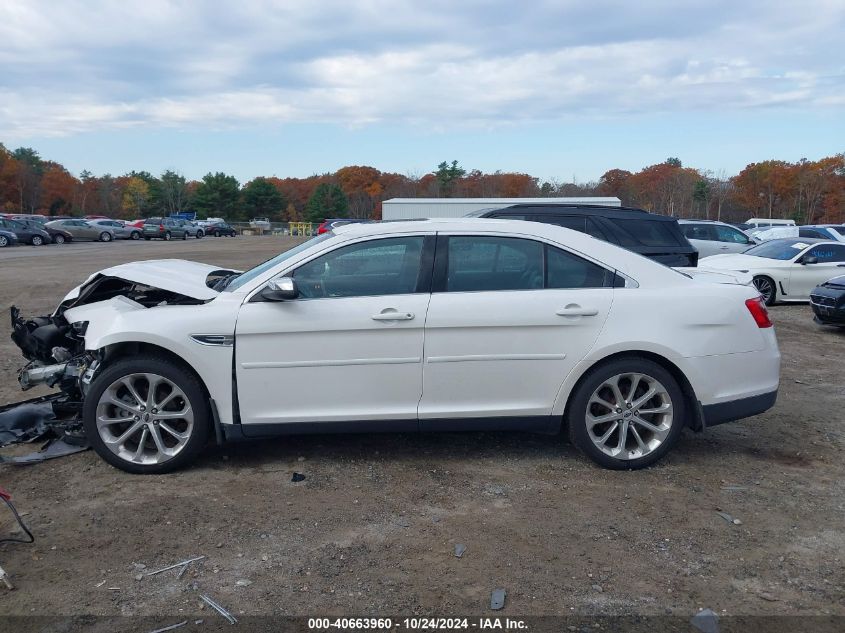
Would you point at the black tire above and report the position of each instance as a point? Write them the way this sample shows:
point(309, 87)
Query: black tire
point(4, 241)
point(767, 289)
point(134, 235)
point(36, 240)
point(105, 236)
point(58, 239)
point(199, 235)
point(184, 236)
point(167, 236)
point(577, 410)
point(216, 233)
point(147, 239)
point(175, 372)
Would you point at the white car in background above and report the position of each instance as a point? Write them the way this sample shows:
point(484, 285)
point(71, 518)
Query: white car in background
point(433, 325)
point(710, 237)
point(785, 269)
point(823, 231)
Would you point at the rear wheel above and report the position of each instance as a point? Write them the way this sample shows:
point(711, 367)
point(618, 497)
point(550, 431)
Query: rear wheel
point(626, 414)
point(199, 235)
point(167, 236)
point(105, 237)
point(135, 235)
point(216, 233)
point(184, 235)
point(37, 240)
point(147, 239)
point(4, 241)
point(766, 287)
point(146, 415)
point(58, 239)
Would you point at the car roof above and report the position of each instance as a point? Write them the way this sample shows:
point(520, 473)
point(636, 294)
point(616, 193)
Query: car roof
point(586, 209)
point(805, 240)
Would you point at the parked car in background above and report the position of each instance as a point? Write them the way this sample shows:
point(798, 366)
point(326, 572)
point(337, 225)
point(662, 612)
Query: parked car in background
point(828, 302)
point(823, 231)
point(121, 229)
point(192, 229)
point(418, 326)
point(164, 229)
point(57, 236)
point(82, 230)
point(7, 238)
point(332, 223)
point(785, 269)
point(765, 223)
point(712, 238)
point(34, 234)
point(220, 229)
point(262, 224)
point(657, 237)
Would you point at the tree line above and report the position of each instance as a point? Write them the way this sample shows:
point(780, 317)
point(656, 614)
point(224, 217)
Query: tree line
point(807, 191)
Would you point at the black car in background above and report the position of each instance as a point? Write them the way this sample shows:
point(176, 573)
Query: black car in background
point(57, 236)
point(828, 302)
point(657, 237)
point(220, 229)
point(35, 235)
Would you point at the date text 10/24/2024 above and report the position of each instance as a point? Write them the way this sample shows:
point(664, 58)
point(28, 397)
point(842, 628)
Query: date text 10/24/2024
point(416, 624)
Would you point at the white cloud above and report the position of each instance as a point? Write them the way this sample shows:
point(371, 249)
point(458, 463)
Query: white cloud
point(77, 66)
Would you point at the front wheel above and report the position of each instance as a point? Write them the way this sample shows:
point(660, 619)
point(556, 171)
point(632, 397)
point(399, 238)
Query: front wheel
point(4, 241)
point(146, 415)
point(167, 236)
point(766, 287)
point(58, 239)
point(135, 235)
point(216, 234)
point(626, 414)
point(37, 240)
point(105, 237)
point(199, 235)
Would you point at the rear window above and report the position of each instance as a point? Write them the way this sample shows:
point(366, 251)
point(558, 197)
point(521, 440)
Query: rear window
point(648, 233)
point(153, 221)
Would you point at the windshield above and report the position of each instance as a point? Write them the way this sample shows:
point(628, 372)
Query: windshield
point(777, 249)
point(252, 273)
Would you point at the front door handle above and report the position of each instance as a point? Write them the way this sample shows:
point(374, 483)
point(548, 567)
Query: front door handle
point(576, 310)
point(393, 315)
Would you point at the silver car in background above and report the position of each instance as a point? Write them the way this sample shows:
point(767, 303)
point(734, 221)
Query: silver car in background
point(84, 230)
point(710, 237)
point(121, 230)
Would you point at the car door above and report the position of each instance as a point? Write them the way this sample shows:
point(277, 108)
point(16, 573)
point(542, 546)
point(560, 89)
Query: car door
point(349, 348)
point(508, 320)
point(730, 240)
point(702, 237)
point(804, 277)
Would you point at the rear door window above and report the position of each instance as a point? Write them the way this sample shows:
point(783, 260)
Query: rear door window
point(565, 270)
point(729, 234)
point(647, 233)
point(478, 263)
point(696, 231)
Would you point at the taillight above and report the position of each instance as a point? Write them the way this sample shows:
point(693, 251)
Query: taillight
point(160, 227)
point(758, 310)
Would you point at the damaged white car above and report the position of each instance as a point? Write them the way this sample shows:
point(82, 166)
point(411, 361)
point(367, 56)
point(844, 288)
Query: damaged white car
point(438, 325)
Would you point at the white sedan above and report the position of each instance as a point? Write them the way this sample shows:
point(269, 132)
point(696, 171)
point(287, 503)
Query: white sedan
point(437, 325)
point(785, 269)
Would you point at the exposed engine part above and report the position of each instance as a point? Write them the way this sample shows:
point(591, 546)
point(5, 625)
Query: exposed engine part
point(37, 374)
point(37, 337)
point(61, 354)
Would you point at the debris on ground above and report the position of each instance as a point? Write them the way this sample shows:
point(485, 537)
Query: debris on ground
point(706, 621)
point(243, 582)
point(297, 477)
point(170, 628)
point(733, 488)
point(460, 548)
point(232, 619)
point(36, 419)
point(497, 599)
point(183, 564)
point(727, 517)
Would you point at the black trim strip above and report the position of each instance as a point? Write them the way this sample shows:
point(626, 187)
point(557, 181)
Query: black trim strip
point(715, 414)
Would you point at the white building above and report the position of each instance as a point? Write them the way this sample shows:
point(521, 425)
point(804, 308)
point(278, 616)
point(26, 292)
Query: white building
point(416, 208)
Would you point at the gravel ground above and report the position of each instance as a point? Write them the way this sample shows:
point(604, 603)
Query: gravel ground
point(372, 528)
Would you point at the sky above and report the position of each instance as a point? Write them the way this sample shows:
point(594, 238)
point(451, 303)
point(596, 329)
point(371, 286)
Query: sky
point(561, 90)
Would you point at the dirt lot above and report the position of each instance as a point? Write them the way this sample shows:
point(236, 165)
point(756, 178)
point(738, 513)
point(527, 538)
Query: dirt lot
point(372, 528)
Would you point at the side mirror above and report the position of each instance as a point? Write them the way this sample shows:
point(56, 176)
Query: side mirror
point(281, 289)
point(809, 259)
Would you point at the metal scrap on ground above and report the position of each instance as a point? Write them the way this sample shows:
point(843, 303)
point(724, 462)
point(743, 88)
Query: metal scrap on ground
point(183, 563)
point(171, 627)
point(232, 619)
point(497, 599)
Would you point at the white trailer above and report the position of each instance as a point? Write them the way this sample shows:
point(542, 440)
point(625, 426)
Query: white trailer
point(416, 208)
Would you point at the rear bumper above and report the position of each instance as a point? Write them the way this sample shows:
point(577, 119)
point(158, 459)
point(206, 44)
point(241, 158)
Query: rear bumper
point(732, 410)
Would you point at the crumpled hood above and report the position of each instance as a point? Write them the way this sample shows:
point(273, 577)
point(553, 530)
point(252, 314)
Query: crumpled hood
point(718, 276)
point(175, 275)
point(739, 261)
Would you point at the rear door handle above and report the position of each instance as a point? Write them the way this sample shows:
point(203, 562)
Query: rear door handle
point(393, 316)
point(577, 311)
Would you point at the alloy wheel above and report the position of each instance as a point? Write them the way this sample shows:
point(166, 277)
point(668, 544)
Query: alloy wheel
point(766, 289)
point(59, 239)
point(144, 418)
point(37, 240)
point(629, 416)
point(4, 241)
